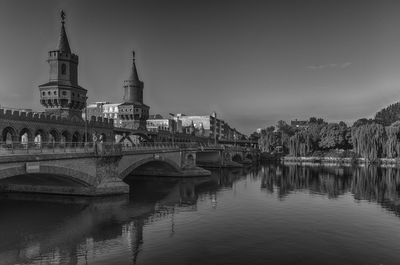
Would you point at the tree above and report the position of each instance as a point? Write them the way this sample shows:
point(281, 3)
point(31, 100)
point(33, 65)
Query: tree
point(300, 144)
point(270, 129)
point(268, 141)
point(285, 131)
point(369, 140)
point(316, 120)
point(254, 136)
point(389, 114)
point(313, 120)
point(362, 121)
point(393, 144)
point(333, 135)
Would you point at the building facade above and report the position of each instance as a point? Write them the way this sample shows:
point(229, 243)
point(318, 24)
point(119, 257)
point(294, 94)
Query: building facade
point(158, 123)
point(208, 126)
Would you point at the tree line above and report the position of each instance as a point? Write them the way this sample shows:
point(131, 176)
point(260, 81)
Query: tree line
point(367, 138)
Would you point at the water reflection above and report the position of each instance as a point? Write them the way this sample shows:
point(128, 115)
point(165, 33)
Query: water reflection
point(70, 230)
point(38, 229)
point(371, 183)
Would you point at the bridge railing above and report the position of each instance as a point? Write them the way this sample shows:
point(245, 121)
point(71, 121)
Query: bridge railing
point(47, 148)
point(168, 145)
point(101, 148)
point(151, 146)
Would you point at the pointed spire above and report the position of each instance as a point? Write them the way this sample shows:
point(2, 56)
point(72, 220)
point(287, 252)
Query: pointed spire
point(134, 75)
point(63, 45)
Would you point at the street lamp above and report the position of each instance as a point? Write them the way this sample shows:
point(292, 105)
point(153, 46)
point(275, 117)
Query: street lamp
point(173, 128)
point(215, 128)
point(86, 120)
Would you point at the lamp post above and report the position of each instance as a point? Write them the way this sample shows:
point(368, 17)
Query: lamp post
point(215, 128)
point(86, 119)
point(173, 128)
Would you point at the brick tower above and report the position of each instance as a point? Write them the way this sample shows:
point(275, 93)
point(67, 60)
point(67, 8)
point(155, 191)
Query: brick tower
point(133, 113)
point(62, 96)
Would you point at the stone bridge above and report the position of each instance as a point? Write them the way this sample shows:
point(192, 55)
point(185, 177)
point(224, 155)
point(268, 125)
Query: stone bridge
point(225, 156)
point(93, 170)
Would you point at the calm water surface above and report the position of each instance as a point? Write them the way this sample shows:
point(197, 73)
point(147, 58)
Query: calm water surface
point(271, 214)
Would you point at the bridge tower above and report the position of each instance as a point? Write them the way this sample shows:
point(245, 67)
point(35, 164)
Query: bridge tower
point(62, 96)
point(133, 112)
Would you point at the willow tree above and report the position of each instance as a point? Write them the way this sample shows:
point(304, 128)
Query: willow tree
point(393, 144)
point(300, 144)
point(267, 141)
point(369, 140)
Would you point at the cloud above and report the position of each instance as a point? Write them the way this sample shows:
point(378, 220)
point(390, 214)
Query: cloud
point(330, 66)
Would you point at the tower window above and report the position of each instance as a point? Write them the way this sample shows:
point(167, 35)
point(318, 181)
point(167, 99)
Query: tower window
point(63, 69)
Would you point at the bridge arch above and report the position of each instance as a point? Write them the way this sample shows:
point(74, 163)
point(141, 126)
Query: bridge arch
point(40, 136)
point(25, 135)
point(249, 156)
point(46, 174)
point(76, 137)
point(190, 160)
point(65, 137)
point(9, 134)
point(53, 136)
point(162, 164)
point(237, 158)
point(103, 137)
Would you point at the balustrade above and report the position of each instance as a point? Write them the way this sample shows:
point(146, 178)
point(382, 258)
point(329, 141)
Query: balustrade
point(103, 148)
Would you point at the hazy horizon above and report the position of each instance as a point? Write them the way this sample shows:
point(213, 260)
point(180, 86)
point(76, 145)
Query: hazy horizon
point(254, 63)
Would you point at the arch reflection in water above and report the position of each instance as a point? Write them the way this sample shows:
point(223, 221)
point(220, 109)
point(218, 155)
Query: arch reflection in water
point(73, 230)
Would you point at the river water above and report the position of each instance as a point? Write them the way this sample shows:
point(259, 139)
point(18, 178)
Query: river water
point(271, 214)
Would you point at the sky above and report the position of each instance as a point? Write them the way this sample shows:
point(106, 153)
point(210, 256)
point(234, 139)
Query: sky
point(253, 62)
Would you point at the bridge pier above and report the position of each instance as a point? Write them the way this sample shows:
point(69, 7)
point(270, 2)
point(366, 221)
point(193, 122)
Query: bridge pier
point(108, 181)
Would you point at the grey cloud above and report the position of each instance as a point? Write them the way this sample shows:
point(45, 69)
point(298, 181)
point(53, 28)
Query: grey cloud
point(331, 65)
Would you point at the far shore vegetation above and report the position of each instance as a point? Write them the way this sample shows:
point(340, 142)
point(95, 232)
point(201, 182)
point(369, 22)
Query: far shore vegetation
point(371, 139)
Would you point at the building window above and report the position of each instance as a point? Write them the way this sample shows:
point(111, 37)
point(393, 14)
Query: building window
point(63, 69)
point(64, 93)
point(55, 92)
point(43, 93)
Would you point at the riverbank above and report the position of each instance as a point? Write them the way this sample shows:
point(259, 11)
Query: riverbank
point(340, 160)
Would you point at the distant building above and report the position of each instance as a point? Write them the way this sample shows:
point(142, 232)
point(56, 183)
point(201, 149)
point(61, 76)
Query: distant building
point(111, 111)
point(94, 109)
point(208, 126)
point(104, 109)
point(157, 123)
